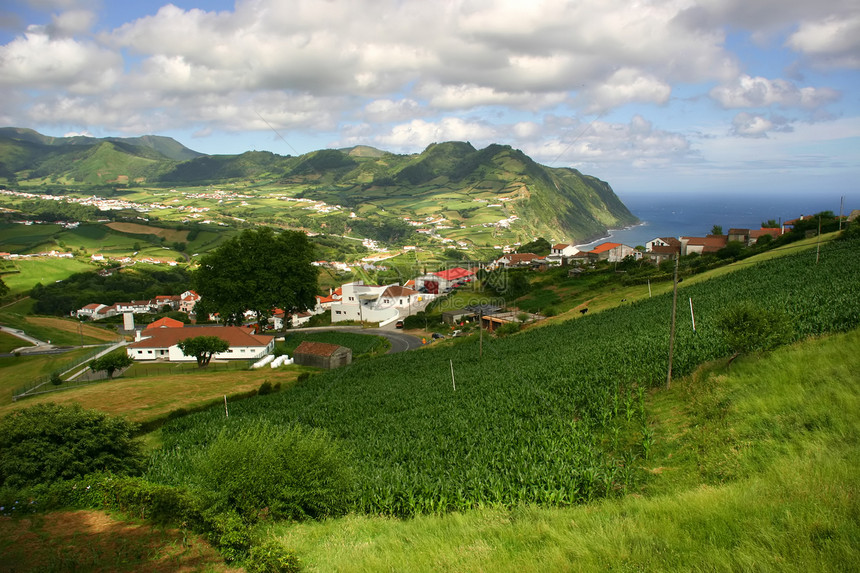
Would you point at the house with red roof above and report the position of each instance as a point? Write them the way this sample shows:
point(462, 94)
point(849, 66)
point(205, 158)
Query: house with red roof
point(165, 322)
point(518, 260)
point(322, 355)
point(162, 343)
point(187, 300)
point(703, 245)
point(612, 252)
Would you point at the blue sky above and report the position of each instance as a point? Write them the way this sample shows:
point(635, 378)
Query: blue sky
point(717, 96)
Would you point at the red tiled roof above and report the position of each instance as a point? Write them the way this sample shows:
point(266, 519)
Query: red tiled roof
point(665, 250)
point(165, 322)
point(454, 274)
point(559, 247)
point(395, 290)
point(316, 348)
point(520, 257)
point(234, 335)
point(603, 247)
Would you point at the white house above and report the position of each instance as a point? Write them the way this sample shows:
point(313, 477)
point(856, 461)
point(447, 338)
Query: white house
point(161, 343)
point(366, 302)
point(559, 253)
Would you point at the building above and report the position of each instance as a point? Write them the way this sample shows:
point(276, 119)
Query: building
point(612, 252)
point(161, 343)
point(322, 355)
point(662, 249)
point(560, 253)
point(703, 245)
point(516, 260)
point(375, 303)
point(165, 322)
point(187, 300)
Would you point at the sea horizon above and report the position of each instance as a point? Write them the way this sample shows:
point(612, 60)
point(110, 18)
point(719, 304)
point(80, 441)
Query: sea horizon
point(679, 215)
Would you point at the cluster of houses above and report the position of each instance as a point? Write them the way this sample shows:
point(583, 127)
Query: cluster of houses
point(182, 302)
point(384, 304)
point(656, 250)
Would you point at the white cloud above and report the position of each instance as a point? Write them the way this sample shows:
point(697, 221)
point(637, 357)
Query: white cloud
point(627, 85)
point(71, 23)
point(419, 133)
point(39, 61)
point(387, 110)
point(753, 125)
point(748, 91)
point(832, 42)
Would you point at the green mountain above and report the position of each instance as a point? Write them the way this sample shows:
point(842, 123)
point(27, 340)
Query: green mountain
point(495, 187)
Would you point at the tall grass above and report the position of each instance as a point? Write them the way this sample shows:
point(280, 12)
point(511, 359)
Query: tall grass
point(784, 424)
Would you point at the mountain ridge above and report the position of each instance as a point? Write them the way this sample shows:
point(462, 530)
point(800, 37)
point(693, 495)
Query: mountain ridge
point(465, 185)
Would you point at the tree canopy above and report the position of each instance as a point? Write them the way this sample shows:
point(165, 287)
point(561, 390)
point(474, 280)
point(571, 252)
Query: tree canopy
point(258, 270)
point(111, 362)
point(203, 348)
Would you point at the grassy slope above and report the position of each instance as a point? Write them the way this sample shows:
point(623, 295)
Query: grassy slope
point(142, 396)
point(42, 270)
point(755, 469)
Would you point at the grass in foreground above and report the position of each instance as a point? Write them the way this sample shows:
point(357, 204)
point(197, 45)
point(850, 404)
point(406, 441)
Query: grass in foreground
point(756, 469)
point(95, 541)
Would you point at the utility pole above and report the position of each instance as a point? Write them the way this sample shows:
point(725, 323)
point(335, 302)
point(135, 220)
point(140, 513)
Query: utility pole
point(672, 331)
point(818, 244)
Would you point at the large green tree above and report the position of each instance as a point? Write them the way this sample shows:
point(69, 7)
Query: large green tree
point(203, 348)
point(111, 362)
point(258, 270)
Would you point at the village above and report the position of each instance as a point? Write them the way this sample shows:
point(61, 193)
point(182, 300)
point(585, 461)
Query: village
point(385, 305)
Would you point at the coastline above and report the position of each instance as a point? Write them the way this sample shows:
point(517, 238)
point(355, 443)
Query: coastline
point(610, 235)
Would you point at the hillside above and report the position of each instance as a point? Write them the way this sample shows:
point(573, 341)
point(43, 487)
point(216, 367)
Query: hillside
point(560, 447)
point(491, 192)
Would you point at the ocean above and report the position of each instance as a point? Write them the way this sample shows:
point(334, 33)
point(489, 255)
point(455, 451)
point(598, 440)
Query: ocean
point(677, 214)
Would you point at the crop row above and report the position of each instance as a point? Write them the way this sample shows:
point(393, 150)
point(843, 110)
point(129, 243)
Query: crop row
point(552, 416)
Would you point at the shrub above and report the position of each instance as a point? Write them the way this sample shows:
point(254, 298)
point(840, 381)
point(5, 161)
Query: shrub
point(56, 379)
point(50, 442)
point(229, 533)
point(746, 328)
point(508, 328)
point(263, 470)
point(265, 388)
point(272, 557)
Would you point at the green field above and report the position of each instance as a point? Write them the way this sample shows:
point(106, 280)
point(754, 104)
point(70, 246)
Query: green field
point(755, 469)
point(551, 417)
point(26, 273)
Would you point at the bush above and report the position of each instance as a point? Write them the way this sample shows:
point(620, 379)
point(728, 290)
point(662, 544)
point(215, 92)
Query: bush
point(286, 473)
point(51, 442)
point(746, 328)
point(272, 557)
point(508, 328)
point(265, 388)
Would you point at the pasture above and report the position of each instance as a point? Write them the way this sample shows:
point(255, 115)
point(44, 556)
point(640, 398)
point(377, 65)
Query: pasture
point(26, 273)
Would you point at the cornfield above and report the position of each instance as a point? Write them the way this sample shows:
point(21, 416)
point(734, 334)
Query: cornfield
point(554, 416)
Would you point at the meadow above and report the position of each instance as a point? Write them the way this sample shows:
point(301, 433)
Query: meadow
point(552, 417)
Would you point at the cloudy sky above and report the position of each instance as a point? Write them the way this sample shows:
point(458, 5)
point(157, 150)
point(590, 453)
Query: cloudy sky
point(694, 96)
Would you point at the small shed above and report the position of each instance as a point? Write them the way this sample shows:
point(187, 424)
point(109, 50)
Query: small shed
point(322, 355)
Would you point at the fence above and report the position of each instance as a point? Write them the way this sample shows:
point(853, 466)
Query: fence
point(46, 384)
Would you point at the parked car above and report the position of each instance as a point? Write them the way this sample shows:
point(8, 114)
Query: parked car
point(398, 324)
